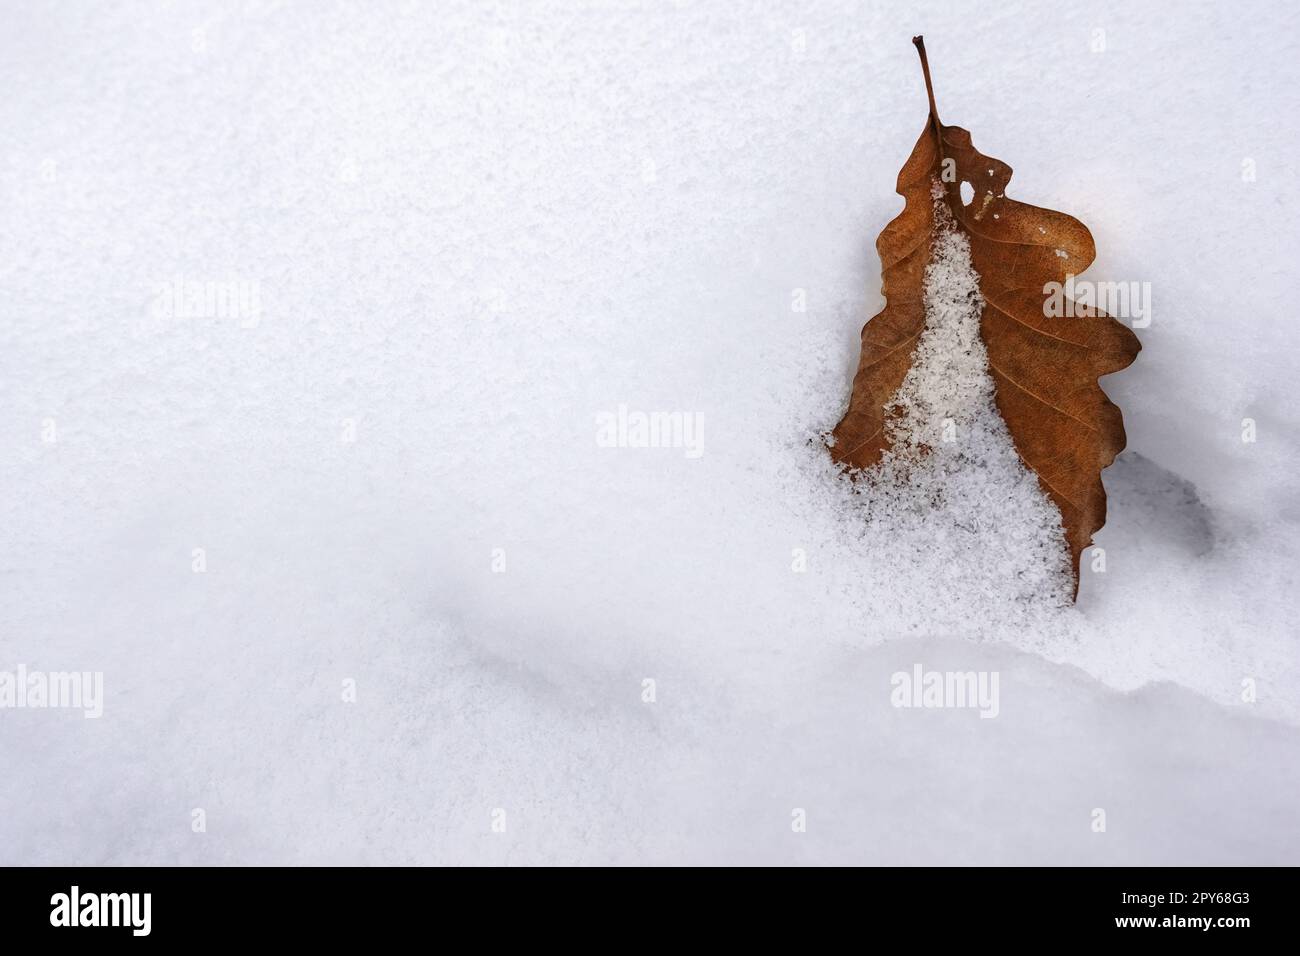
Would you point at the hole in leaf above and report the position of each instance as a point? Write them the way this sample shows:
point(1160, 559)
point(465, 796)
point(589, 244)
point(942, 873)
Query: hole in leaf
point(967, 193)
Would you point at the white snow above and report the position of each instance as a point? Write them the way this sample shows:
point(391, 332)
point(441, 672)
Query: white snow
point(438, 242)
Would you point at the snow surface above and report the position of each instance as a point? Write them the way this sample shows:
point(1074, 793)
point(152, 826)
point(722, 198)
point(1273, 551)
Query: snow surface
point(471, 230)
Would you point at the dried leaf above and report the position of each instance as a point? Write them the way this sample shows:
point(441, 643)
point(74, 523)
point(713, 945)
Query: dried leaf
point(1044, 369)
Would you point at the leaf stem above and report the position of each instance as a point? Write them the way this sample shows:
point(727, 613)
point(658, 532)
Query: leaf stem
point(929, 92)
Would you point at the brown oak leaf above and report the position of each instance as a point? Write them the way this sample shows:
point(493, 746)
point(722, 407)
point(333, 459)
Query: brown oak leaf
point(1044, 368)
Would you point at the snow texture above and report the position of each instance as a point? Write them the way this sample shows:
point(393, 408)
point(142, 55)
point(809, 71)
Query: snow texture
point(308, 315)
